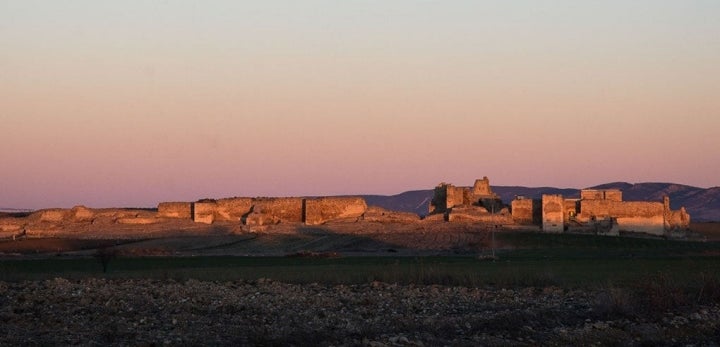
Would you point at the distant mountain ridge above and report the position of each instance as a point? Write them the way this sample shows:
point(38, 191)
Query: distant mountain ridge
point(702, 204)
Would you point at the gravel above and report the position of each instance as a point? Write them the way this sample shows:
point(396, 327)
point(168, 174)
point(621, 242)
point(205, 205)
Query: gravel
point(265, 313)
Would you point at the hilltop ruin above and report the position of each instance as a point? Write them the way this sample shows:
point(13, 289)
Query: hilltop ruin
point(476, 203)
point(595, 211)
point(600, 211)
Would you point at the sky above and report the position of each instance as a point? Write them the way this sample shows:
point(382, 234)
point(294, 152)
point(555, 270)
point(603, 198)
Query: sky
point(129, 103)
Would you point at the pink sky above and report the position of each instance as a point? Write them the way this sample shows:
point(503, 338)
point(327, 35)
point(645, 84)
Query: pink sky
point(130, 103)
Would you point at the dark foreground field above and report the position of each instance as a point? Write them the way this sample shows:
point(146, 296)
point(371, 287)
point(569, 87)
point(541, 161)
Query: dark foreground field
point(267, 313)
point(540, 290)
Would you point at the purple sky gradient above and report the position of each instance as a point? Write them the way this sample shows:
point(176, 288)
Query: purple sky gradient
point(128, 103)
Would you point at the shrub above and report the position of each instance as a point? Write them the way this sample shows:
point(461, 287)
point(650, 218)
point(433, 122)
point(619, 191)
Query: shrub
point(615, 301)
point(104, 255)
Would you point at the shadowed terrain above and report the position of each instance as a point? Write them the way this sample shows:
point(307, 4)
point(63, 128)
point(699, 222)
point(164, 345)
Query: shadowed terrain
point(366, 238)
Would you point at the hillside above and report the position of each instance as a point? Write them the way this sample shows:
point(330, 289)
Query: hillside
point(702, 204)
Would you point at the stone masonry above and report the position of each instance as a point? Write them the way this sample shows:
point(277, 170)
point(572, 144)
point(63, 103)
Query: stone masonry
point(604, 211)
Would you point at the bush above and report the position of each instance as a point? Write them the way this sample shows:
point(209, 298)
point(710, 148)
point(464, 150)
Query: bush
point(104, 255)
point(615, 301)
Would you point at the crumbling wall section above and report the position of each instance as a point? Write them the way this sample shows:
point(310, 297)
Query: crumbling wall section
point(678, 220)
point(321, 210)
point(233, 209)
point(613, 194)
point(467, 214)
point(286, 210)
point(621, 209)
point(591, 194)
point(626, 209)
point(81, 214)
point(553, 220)
point(447, 196)
point(267, 211)
point(77, 214)
point(481, 188)
point(477, 214)
point(526, 211)
point(601, 194)
point(54, 215)
point(204, 212)
point(649, 225)
point(467, 197)
point(482, 195)
point(590, 209)
point(114, 213)
point(12, 225)
point(181, 210)
point(260, 219)
point(456, 196)
point(636, 216)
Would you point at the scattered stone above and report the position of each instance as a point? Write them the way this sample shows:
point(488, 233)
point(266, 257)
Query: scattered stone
point(267, 312)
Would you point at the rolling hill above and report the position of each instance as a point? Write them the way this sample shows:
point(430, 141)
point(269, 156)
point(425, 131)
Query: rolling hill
point(702, 204)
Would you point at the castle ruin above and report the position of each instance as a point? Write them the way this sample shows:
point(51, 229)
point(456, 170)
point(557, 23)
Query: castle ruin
point(602, 211)
point(599, 211)
point(476, 203)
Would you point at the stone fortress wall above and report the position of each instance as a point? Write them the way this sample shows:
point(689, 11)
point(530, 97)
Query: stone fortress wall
point(175, 210)
point(55, 221)
point(268, 211)
point(320, 210)
point(553, 211)
point(602, 211)
point(601, 194)
point(253, 212)
point(526, 211)
point(447, 196)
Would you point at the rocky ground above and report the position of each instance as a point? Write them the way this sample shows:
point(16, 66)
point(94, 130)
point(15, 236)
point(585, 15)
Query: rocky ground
point(264, 312)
